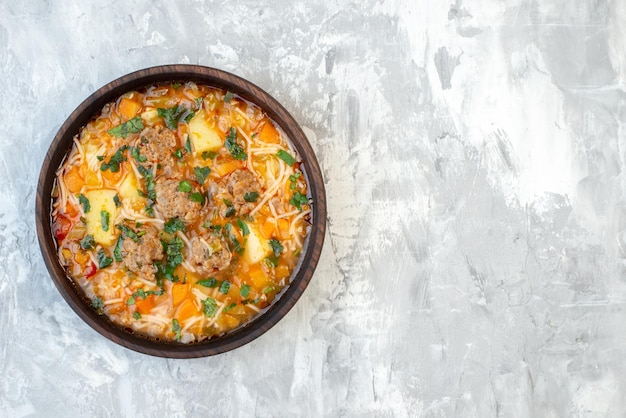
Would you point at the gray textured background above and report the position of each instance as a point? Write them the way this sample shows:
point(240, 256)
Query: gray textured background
point(474, 155)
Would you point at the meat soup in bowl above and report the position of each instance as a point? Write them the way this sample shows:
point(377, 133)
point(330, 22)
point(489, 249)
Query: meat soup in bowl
point(183, 214)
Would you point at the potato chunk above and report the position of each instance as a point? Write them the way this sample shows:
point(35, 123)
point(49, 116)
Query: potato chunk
point(257, 248)
point(129, 192)
point(204, 137)
point(101, 200)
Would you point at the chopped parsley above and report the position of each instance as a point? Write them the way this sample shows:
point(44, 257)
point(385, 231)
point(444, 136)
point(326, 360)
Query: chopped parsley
point(210, 282)
point(209, 155)
point(230, 212)
point(293, 180)
point(134, 151)
point(245, 290)
point(150, 189)
point(173, 225)
point(84, 202)
point(269, 289)
point(130, 127)
point(117, 251)
point(114, 162)
point(97, 303)
point(210, 307)
point(199, 102)
point(104, 220)
point(225, 287)
point(277, 247)
point(244, 227)
point(136, 315)
point(128, 232)
point(298, 199)
point(233, 147)
point(228, 97)
point(286, 157)
point(171, 115)
point(188, 142)
point(197, 197)
point(201, 173)
point(178, 154)
point(87, 243)
point(251, 197)
point(103, 260)
point(247, 301)
point(176, 329)
point(229, 307)
point(117, 201)
point(184, 186)
point(174, 257)
point(130, 301)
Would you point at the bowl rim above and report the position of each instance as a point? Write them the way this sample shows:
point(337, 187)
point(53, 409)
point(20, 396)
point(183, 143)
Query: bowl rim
point(59, 148)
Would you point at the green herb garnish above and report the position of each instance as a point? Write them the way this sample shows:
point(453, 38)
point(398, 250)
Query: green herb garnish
point(114, 162)
point(229, 307)
point(201, 173)
point(298, 199)
point(196, 197)
point(171, 115)
point(210, 307)
point(233, 147)
point(225, 287)
point(128, 232)
point(178, 153)
point(117, 251)
point(97, 303)
point(251, 197)
point(244, 227)
point(103, 260)
point(136, 315)
point(104, 220)
point(209, 155)
point(210, 282)
point(134, 151)
point(87, 243)
point(228, 97)
point(117, 201)
point(176, 329)
point(188, 141)
point(173, 225)
point(245, 290)
point(130, 127)
point(286, 157)
point(277, 247)
point(184, 186)
point(84, 202)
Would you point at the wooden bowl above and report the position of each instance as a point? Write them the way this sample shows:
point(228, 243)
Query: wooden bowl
point(62, 144)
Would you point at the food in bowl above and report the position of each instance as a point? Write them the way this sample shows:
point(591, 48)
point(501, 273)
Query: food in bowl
point(180, 211)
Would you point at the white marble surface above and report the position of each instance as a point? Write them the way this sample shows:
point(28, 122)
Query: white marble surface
point(474, 155)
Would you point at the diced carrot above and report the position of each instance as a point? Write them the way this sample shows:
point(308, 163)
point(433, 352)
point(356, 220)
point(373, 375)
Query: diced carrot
point(73, 180)
point(186, 310)
point(283, 228)
point(128, 108)
point(81, 257)
point(281, 272)
point(144, 306)
point(71, 210)
point(257, 276)
point(179, 293)
point(269, 133)
point(112, 178)
point(228, 167)
point(268, 228)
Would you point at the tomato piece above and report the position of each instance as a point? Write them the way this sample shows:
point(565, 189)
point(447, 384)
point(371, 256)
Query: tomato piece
point(61, 227)
point(90, 270)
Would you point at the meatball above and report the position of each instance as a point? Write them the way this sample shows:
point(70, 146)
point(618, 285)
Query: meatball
point(209, 253)
point(234, 188)
point(157, 145)
point(140, 255)
point(173, 203)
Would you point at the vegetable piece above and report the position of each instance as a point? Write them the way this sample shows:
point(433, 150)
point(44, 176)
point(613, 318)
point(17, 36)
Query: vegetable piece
point(257, 276)
point(228, 97)
point(201, 173)
point(204, 137)
point(210, 307)
point(251, 197)
point(73, 180)
point(179, 293)
point(101, 201)
point(277, 247)
point(228, 167)
point(233, 147)
point(132, 126)
point(210, 282)
point(113, 165)
point(172, 115)
point(87, 243)
point(176, 329)
point(186, 310)
point(104, 219)
point(257, 248)
point(286, 157)
point(173, 225)
point(184, 186)
point(298, 199)
point(244, 227)
point(225, 287)
point(128, 108)
point(244, 291)
point(84, 202)
point(269, 133)
point(104, 260)
point(117, 252)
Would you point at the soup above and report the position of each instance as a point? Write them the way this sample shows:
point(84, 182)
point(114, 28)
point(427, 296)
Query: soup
point(180, 211)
